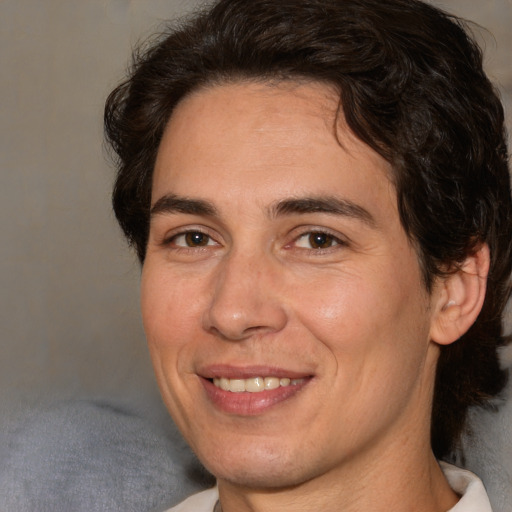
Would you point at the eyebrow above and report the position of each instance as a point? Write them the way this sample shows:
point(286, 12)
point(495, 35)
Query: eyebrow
point(324, 204)
point(171, 203)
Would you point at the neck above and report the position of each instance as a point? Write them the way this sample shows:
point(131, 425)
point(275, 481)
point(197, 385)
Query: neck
point(401, 482)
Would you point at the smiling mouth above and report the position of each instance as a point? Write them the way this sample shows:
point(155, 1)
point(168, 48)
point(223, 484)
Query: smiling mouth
point(251, 391)
point(254, 384)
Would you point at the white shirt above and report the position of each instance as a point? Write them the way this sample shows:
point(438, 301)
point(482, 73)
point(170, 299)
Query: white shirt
point(466, 484)
point(469, 486)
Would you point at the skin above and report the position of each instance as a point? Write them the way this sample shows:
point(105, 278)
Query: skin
point(247, 292)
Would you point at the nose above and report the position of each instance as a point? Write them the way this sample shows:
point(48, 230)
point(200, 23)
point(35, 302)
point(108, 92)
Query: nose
point(246, 299)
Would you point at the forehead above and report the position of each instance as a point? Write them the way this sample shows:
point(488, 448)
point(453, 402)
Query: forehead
point(249, 142)
point(259, 114)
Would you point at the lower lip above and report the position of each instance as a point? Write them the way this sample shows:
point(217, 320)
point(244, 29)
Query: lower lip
point(250, 404)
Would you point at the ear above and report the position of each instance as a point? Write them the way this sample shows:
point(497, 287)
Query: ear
point(459, 298)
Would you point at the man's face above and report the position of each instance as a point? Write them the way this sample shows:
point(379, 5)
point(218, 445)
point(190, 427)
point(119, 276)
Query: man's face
point(276, 259)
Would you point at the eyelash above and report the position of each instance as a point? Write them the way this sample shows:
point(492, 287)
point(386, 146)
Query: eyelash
point(171, 240)
point(331, 239)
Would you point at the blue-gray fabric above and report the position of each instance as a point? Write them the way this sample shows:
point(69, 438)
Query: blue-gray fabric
point(93, 456)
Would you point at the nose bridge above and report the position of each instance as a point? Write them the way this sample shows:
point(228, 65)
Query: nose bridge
point(245, 298)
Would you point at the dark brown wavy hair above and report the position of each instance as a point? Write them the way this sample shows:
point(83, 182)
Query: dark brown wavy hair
point(411, 86)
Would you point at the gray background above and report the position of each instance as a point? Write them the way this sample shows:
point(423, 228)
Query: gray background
point(69, 319)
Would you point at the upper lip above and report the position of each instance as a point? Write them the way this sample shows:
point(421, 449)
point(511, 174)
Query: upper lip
point(249, 372)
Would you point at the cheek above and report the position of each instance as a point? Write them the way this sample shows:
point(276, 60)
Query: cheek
point(168, 302)
point(168, 319)
point(341, 309)
point(375, 336)
point(368, 315)
point(154, 299)
point(166, 315)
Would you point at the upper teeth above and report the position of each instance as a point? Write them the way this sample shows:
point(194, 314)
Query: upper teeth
point(253, 385)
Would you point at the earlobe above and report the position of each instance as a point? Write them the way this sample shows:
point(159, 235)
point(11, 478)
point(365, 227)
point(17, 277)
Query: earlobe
point(460, 297)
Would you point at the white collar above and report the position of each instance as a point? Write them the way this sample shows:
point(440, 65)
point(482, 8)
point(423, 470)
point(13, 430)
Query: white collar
point(469, 487)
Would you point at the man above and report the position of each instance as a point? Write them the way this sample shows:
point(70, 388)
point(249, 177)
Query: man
point(319, 195)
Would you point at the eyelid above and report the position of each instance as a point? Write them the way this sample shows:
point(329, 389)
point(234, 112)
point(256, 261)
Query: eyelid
point(302, 231)
point(306, 237)
point(184, 230)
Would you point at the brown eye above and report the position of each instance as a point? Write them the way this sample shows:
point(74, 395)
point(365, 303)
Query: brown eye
point(196, 239)
point(191, 239)
point(317, 240)
point(320, 240)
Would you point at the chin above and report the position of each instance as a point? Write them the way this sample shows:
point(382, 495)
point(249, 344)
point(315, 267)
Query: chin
point(260, 478)
point(264, 469)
